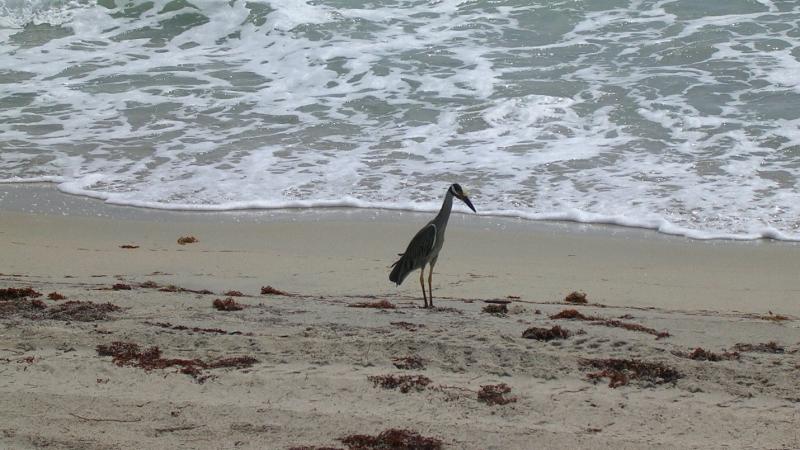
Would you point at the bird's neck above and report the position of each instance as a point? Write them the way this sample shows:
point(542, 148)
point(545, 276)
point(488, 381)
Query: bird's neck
point(447, 206)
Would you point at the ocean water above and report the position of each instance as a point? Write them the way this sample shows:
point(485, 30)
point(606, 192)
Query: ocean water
point(678, 115)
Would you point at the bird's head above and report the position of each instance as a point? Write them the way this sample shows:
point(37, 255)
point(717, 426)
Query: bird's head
point(461, 194)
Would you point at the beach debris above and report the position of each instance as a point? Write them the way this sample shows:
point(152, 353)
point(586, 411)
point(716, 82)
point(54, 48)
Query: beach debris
point(614, 323)
point(269, 290)
point(73, 310)
point(395, 439)
point(495, 394)
point(545, 334)
point(233, 294)
point(149, 284)
point(576, 297)
point(183, 240)
point(768, 347)
point(80, 311)
point(228, 304)
point(173, 288)
point(129, 246)
point(121, 287)
point(381, 304)
point(130, 354)
point(513, 297)
point(55, 296)
point(15, 293)
point(170, 326)
point(701, 354)
point(412, 362)
point(775, 317)
point(496, 309)
point(404, 382)
point(621, 371)
point(408, 325)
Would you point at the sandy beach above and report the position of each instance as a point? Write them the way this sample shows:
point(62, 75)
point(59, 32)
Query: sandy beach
point(305, 359)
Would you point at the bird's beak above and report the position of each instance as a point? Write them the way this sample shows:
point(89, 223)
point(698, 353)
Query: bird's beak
point(465, 199)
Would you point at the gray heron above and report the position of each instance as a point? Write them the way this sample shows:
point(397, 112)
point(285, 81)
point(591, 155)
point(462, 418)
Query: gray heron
point(425, 246)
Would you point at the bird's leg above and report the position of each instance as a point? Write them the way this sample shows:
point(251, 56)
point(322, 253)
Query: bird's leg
point(422, 283)
point(430, 288)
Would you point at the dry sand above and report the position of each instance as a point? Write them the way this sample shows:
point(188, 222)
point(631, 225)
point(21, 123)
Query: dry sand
point(309, 385)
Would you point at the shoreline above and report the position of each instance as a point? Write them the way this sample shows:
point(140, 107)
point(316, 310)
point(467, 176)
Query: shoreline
point(15, 196)
point(348, 252)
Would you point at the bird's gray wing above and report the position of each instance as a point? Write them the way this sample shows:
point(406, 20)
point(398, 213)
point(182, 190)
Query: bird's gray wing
point(416, 254)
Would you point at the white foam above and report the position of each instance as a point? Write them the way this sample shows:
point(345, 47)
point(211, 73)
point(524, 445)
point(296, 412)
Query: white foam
point(362, 107)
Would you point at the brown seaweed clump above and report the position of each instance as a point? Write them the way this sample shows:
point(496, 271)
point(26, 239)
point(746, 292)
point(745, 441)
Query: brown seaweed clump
point(228, 304)
point(55, 296)
point(701, 354)
point(576, 297)
point(768, 347)
point(173, 288)
point(382, 304)
point(69, 311)
point(130, 354)
point(183, 240)
point(233, 294)
point(269, 290)
point(499, 309)
point(129, 246)
point(15, 293)
point(614, 323)
point(121, 287)
point(412, 362)
point(495, 394)
point(404, 382)
point(544, 334)
point(80, 311)
point(392, 439)
point(621, 371)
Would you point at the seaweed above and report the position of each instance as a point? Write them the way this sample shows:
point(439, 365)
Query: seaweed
point(775, 317)
point(576, 297)
point(496, 309)
point(149, 284)
point(621, 371)
point(69, 311)
point(128, 246)
point(614, 323)
point(495, 394)
point(394, 439)
point(81, 311)
point(16, 293)
point(228, 304)
point(183, 240)
point(130, 354)
point(412, 362)
point(768, 347)
point(173, 288)
point(55, 296)
point(311, 447)
point(404, 382)
point(121, 287)
point(196, 329)
point(233, 294)
point(544, 334)
point(382, 304)
point(269, 290)
point(701, 354)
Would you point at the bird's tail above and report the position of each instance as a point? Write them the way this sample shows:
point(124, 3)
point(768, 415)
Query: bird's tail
point(402, 267)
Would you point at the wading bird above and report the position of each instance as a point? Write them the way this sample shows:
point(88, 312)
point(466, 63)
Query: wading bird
point(425, 246)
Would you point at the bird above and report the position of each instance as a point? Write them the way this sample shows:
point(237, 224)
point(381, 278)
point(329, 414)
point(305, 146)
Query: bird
point(425, 245)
